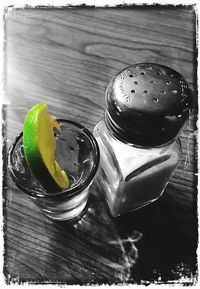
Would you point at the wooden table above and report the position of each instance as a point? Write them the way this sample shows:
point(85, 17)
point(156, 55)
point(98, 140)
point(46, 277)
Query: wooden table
point(66, 57)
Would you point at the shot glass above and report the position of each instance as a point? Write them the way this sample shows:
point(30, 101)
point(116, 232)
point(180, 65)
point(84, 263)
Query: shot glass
point(77, 153)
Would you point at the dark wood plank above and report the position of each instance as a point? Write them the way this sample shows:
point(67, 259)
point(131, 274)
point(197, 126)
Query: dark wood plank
point(66, 57)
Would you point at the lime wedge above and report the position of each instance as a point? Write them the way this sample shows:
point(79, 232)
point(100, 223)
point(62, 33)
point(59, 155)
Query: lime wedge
point(39, 148)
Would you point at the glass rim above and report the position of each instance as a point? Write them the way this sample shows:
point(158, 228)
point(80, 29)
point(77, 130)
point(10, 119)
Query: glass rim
point(71, 191)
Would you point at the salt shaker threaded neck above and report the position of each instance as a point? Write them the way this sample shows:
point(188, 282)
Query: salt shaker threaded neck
point(147, 104)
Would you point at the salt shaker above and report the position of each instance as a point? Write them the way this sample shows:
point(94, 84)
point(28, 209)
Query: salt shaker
point(147, 105)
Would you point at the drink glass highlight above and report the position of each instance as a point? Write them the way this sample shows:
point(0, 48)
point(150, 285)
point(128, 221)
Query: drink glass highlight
point(77, 153)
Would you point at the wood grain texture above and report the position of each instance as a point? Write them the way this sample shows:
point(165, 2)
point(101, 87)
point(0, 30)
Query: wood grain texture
point(66, 57)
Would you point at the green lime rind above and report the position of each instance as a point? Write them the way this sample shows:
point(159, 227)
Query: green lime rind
point(32, 154)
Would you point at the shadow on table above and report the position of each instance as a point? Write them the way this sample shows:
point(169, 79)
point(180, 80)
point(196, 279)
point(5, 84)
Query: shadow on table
point(165, 251)
point(146, 246)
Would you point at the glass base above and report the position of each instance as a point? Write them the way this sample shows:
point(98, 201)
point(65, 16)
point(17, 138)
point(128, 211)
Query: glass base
point(66, 215)
point(66, 210)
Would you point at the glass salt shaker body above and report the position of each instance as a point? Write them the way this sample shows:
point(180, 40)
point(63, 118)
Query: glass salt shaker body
point(146, 107)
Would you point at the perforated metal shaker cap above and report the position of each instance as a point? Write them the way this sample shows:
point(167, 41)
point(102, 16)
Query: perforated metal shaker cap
point(147, 104)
